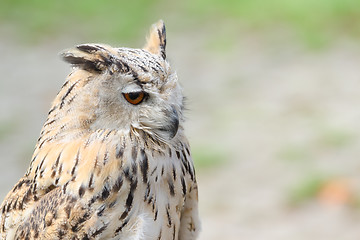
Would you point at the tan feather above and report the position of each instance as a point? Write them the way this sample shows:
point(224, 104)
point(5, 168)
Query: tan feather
point(104, 168)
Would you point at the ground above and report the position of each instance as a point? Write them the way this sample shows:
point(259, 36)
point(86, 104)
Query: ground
point(273, 126)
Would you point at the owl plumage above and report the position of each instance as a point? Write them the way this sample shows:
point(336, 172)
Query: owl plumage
point(112, 160)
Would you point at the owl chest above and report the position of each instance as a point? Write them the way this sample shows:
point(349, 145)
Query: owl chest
point(149, 205)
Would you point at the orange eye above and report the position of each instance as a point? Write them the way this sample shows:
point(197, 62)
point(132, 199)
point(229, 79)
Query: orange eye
point(134, 97)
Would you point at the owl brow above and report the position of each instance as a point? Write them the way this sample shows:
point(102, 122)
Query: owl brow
point(122, 66)
point(137, 80)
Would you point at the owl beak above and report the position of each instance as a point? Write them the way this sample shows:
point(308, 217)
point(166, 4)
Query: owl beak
point(171, 128)
point(174, 120)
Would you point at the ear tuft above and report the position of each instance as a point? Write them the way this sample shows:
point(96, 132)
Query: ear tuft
point(89, 57)
point(156, 41)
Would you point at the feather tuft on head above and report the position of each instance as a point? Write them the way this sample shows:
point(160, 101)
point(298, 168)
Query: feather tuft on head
point(156, 41)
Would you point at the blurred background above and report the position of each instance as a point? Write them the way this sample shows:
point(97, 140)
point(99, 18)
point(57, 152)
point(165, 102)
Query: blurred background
point(273, 97)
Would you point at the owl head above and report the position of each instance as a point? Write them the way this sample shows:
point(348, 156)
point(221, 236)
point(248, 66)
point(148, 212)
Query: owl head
point(124, 88)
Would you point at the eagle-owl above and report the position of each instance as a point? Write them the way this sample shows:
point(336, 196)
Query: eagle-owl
point(112, 160)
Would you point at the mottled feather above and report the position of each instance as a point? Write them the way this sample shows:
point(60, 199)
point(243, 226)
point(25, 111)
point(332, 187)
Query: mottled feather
point(104, 167)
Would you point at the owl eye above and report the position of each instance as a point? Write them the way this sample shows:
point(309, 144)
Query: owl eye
point(134, 97)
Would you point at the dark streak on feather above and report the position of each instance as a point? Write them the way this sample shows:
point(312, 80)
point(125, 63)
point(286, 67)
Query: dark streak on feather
point(81, 190)
point(130, 198)
point(99, 231)
point(122, 226)
point(183, 186)
point(76, 163)
point(66, 94)
point(171, 188)
point(144, 165)
point(118, 184)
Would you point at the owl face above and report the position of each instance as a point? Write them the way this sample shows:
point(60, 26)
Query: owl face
point(128, 88)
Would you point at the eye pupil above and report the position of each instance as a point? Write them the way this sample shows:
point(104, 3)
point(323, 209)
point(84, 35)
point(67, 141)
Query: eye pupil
point(134, 95)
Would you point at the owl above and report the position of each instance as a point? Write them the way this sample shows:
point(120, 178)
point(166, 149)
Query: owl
point(112, 160)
